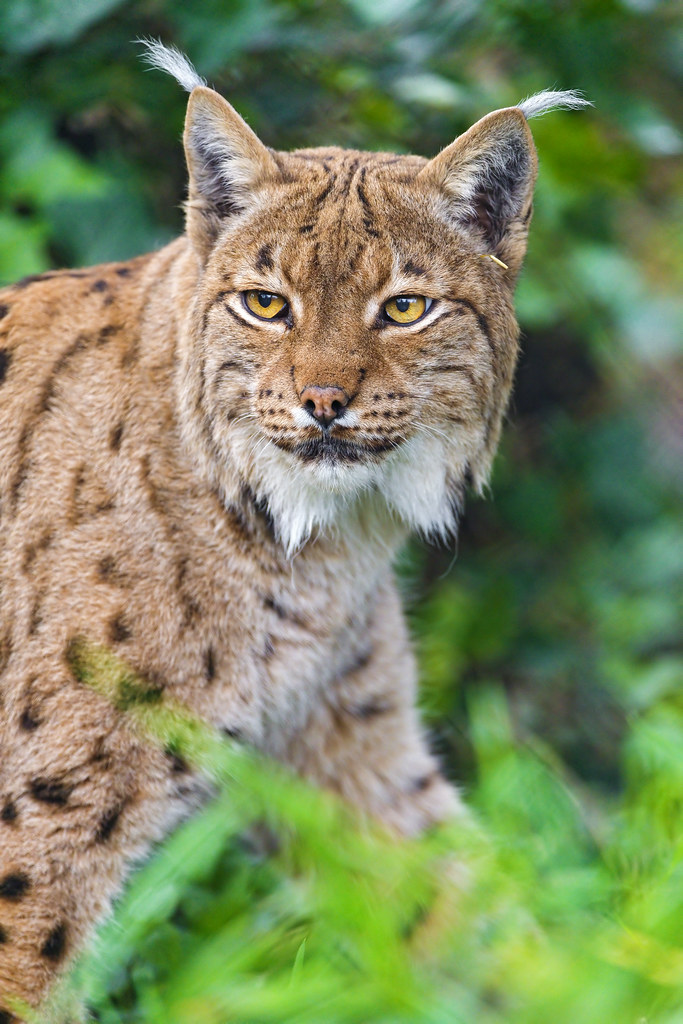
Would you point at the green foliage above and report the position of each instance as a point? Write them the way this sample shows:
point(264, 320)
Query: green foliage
point(271, 905)
point(550, 648)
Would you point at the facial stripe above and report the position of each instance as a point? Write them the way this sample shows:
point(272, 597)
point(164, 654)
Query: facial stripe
point(481, 320)
point(240, 320)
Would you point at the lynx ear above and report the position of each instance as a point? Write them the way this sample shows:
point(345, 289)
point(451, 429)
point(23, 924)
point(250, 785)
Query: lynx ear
point(226, 162)
point(488, 177)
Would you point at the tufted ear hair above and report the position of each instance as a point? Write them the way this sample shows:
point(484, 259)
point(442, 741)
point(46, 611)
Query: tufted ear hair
point(226, 162)
point(487, 177)
point(488, 174)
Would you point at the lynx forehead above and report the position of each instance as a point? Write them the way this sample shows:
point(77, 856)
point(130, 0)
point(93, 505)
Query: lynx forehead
point(317, 367)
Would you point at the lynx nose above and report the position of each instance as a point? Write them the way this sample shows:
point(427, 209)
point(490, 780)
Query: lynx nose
point(324, 404)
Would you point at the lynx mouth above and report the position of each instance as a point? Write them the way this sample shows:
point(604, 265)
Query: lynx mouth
point(334, 450)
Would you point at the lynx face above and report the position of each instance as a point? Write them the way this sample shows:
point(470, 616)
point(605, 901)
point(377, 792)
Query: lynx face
point(350, 347)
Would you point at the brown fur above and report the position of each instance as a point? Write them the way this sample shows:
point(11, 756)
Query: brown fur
point(138, 402)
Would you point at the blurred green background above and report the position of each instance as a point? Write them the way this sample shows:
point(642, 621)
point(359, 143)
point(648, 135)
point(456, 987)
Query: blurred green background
point(551, 645)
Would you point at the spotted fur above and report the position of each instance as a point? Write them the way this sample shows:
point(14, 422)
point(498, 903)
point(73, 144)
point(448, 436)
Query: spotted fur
point(165, 491)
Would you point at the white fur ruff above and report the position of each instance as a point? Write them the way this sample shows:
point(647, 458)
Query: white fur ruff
point(406, 491)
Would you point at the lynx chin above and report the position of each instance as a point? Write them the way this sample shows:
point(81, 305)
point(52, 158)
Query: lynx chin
point(209, 456)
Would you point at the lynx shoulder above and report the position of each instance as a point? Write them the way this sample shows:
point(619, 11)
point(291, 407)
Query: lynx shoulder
point(208, 458)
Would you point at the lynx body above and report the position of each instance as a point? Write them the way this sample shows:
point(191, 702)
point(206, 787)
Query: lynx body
point(217, 494)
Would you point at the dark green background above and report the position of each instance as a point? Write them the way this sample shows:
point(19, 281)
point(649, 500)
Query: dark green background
point(559, 619)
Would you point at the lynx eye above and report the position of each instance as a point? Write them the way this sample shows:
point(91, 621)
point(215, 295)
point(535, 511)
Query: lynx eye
point(265, 305)
point(406, 309)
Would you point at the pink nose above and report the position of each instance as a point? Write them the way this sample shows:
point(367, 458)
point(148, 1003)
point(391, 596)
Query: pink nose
point(324, 404)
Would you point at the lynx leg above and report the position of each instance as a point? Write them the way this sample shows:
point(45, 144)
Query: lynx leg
point(365, 741)
point(78, 805)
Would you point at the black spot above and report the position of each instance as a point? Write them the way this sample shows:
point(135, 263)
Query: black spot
point(7, 1018)
point(100, 286)
point(412, 268)
point(32, 549)
point(268, 649)
point(29, 720)
point(210, 664)
point(232, 733)
point(54, 946)
point(4, 310)
point(8, 812)
point(192, 610)
point(73, 657)
point(79, 480)
point(36, 618)
point(273, 606)
point(51, 791)
point(264, 260)
point(132, 692)
point(99, 754)
point(179, 765)
point(423, 782)
point(106, 567)
point(322, 196)
point(106, 333)
point(3, 938)
point(369, 709)
point(360, 662)
point(32, 278)
point(123, 271)
point(306, 228)
point(259, 507)
point(119, 630)
point(5, 651)
point(13, 887)
point(115, 436)
point(181, 571)
point(5, 359)
point(108, 823)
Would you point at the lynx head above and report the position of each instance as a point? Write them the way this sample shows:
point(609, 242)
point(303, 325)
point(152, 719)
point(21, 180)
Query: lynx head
point(350, 345)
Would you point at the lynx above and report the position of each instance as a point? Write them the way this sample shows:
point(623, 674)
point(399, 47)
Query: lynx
point(209, 456)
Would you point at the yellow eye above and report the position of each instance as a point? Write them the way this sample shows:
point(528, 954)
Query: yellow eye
point(406, 309)
point(265, 305)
